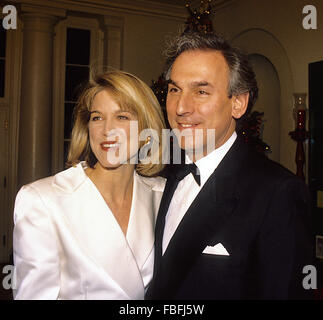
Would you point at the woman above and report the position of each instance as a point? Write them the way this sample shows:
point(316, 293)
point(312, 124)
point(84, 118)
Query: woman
point(88, 231)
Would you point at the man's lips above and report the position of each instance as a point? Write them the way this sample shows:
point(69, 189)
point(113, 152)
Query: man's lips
point(106, 145)
point(183, 126)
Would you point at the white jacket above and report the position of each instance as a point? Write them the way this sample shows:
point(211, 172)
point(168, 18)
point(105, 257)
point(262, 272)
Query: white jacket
point(68, 245)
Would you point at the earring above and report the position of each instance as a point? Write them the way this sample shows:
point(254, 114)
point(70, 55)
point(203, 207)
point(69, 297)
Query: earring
point(143, 151)
point(148, 140)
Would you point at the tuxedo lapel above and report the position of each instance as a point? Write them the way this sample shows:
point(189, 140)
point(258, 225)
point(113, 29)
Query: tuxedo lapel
point(170, 187)
point(210, 211)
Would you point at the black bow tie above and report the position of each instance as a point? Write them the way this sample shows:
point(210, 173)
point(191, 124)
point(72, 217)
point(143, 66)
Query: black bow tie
point(186, 169)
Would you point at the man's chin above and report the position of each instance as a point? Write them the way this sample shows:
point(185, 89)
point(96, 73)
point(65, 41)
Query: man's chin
point(194, 152)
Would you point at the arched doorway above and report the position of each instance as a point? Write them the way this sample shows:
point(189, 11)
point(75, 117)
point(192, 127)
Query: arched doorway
point(264, 44)
point(268, 102)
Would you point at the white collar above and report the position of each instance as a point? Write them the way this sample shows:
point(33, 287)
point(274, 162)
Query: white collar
point(210, 162)
point(70, 179)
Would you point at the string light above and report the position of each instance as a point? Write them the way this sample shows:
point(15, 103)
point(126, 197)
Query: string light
point(199, 19)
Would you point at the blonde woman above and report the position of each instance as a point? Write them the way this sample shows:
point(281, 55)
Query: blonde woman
point(88, 231)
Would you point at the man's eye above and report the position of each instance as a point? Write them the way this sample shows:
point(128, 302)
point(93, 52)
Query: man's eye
point(202, 92)
point(172, 89)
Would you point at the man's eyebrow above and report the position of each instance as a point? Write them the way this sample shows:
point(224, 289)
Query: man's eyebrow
point(201, 84)
point(170, 81)
point(194, 84)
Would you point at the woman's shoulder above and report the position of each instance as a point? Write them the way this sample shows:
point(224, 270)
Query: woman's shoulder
point(39, 185)
point(66, 180)
point(155, 183)
point(34, 199)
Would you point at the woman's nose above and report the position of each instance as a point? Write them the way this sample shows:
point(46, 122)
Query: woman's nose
point(108, 127)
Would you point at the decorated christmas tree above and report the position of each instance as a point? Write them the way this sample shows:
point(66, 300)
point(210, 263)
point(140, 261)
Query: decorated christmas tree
point(199, 19)
point(250, 129)
point(251, 126)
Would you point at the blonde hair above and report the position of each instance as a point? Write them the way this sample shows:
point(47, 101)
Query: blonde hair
point(131, 94)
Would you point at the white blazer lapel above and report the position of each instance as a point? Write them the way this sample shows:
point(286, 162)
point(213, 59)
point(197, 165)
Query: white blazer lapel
point(101, 237)
point(140, 234)
point(141, 229)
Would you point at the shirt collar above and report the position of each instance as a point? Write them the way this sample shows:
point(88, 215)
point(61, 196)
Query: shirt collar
point(210, 162)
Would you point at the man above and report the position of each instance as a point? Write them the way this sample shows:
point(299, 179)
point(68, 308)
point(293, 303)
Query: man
point(241, 229)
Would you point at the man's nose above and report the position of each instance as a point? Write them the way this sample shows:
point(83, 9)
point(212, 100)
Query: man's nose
point(184, 105)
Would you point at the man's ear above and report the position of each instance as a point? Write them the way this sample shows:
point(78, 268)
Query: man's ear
point(240, 104)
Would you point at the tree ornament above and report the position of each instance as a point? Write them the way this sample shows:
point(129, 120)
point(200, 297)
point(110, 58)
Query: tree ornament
point(250, 129)
point(199, 19)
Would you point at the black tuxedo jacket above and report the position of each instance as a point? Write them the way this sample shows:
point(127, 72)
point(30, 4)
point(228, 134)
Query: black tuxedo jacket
point(259, 212)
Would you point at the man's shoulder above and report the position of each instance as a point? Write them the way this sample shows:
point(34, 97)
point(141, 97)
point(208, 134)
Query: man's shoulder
point(262, 177)
point(263, 169)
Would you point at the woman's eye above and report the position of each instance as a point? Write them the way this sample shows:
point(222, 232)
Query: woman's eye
point(96, 118)
point(123, 117)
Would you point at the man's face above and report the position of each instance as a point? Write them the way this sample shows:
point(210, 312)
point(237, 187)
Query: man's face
point(198, 99)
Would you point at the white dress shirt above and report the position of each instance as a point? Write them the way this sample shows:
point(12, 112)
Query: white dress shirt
point(188, 189)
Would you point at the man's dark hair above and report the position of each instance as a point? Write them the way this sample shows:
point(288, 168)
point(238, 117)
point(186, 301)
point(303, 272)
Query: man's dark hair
point(241, 78)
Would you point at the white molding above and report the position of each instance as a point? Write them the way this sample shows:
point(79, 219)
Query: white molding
point(11, 103)
point(108, 7)
point(113, 21)
point(58, 96)
point(114, 41)
point(4, 172)
point(16, 39)
point(41, 10)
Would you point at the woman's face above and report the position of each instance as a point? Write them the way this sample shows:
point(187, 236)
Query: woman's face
point(111, 138)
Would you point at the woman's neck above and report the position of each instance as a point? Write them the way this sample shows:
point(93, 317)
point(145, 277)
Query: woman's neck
point(115, 184)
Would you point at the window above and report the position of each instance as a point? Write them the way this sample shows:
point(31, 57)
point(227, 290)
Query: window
point(78, 46)
point(78, 43)
point(3, 38)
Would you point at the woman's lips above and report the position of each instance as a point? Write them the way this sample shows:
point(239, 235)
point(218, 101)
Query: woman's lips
point(106, 145)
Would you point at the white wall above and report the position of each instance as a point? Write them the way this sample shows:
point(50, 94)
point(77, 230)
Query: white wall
point(268, 102)
point(144, 41)
point(274, 29)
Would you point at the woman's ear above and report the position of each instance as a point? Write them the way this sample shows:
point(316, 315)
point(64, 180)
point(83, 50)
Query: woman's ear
point(240, 105)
